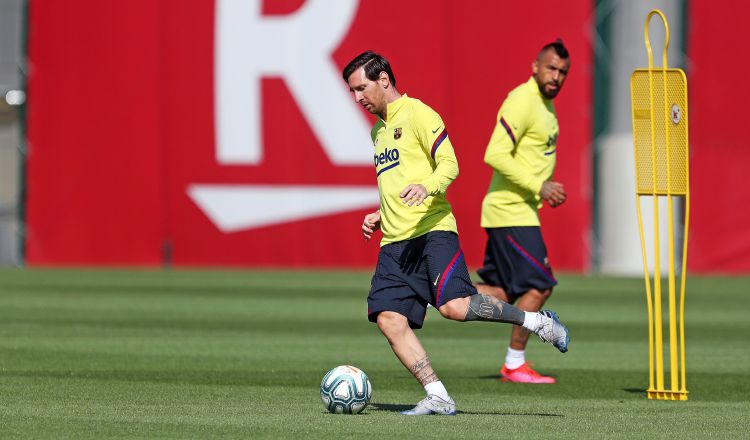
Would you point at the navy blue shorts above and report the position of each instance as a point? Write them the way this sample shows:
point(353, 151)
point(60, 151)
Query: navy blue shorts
point(516, 260)
point(429, 269)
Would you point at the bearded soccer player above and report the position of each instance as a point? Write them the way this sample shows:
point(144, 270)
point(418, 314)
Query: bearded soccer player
point(522, 153)
point(420, 261)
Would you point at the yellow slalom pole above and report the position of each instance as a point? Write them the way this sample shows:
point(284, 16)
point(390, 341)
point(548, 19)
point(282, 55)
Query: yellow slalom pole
point(649, 305)
point(673, 372)
point(660, 129)
point(658, 337)
point(683, 388)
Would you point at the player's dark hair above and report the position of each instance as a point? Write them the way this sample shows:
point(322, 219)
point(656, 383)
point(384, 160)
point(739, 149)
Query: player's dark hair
point(373, 64)
point(558, 47)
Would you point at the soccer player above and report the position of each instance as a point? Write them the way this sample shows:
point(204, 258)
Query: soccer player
point(522, 152)
point(420, 261)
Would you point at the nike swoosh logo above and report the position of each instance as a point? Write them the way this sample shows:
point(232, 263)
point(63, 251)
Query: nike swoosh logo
point(436, 280)
point(436, 130)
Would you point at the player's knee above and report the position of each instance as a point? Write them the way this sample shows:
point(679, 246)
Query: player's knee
point(455, 309)
point(542, 295)
point(391, 324)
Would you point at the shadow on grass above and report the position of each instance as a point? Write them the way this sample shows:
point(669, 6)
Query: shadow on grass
point(635, 390)
point(398, 408)
point(492, 376)
point(389, 407)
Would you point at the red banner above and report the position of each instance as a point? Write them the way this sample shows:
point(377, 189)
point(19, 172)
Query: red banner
point(719, 237)
point(221, 133)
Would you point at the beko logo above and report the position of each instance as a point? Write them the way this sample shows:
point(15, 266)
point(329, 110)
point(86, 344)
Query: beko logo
point(386, 156)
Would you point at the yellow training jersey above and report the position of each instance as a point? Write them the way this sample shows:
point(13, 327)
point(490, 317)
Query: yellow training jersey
point(521, 152)
point(412, 147)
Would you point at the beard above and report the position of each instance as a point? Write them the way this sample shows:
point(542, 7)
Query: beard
point(548, 94)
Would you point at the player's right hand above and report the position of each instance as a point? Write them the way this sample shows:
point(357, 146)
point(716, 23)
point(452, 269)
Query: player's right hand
point(371, 224)
point(553, 193)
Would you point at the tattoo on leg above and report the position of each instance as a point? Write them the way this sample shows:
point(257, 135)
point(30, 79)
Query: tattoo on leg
point(522, 338)
point(487, 308)
point(422, 370)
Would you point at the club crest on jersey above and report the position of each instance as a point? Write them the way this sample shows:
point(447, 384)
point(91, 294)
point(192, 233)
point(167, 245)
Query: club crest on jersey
point(397, 133)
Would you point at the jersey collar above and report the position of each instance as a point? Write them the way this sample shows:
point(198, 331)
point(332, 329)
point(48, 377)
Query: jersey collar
point(395, 106)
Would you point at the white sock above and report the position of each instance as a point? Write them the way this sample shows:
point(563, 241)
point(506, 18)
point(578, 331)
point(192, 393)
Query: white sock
point(514, 358)
point(438, 389)
point(530, 321)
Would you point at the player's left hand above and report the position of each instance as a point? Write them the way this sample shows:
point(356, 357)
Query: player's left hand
point(553, 193)
point(414, 193)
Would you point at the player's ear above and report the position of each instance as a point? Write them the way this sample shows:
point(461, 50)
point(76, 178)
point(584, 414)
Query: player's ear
point(535, 66)
point(384, 80)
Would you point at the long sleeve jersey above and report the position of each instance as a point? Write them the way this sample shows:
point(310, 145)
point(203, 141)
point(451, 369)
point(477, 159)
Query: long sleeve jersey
point(412, 147)
point(522, 153)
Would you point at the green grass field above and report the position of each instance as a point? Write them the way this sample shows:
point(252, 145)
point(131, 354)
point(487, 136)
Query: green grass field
point(191, 354)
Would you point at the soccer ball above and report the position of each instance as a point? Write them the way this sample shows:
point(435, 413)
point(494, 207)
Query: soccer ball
point(345, 389)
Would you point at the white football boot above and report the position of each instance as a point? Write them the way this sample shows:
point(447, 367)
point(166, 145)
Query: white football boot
point(550, 329)
point(432, 404)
